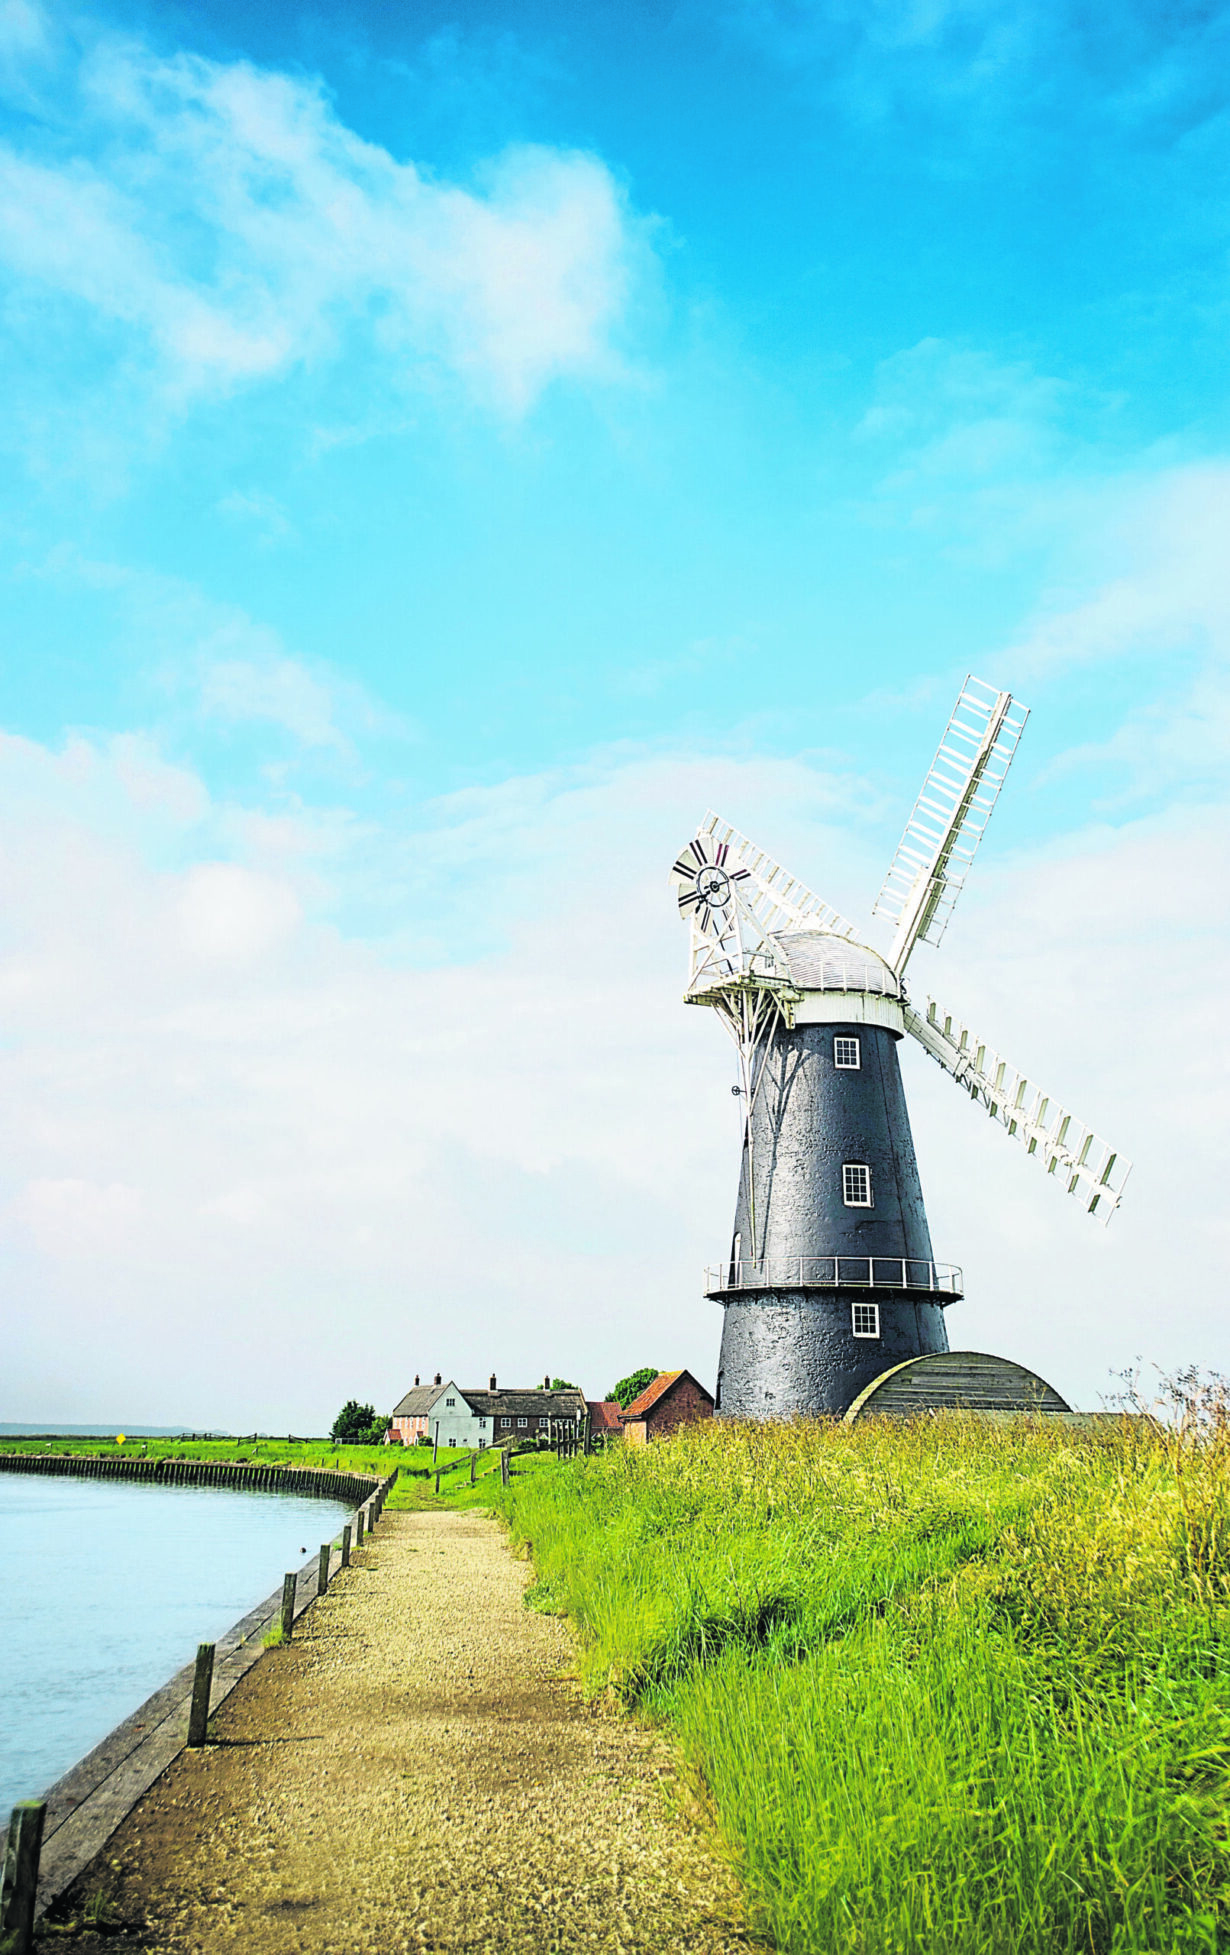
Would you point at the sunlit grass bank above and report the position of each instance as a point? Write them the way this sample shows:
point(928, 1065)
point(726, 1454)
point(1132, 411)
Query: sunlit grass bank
point(952, 1687)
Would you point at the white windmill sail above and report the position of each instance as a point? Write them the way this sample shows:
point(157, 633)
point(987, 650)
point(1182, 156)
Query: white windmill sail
point(735, 897)
point(942, 834)
point(1089, 1168)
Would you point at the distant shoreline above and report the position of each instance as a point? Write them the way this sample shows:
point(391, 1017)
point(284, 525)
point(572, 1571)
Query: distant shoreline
point(29, 1430)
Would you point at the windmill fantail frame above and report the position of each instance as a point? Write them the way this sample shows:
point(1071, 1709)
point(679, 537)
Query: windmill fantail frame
point(830, 1281)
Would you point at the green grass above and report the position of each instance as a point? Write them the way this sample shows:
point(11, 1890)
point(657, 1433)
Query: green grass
point(951, 1687)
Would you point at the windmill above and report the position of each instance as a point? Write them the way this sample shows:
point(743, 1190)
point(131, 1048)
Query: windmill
point(831, 1282)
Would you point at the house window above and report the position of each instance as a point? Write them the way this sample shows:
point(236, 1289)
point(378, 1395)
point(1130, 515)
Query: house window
point(856, 1184)
point(505, 1422)
point(522, 1422)
point(846, 1055)
point(866, 1319)
point(450, 1401)
point(544, 1422)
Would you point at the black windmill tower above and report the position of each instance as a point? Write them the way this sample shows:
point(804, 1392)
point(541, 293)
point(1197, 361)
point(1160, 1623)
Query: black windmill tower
point(831, 1281)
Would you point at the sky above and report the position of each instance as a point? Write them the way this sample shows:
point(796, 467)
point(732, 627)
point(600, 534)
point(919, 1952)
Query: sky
point(445, 450)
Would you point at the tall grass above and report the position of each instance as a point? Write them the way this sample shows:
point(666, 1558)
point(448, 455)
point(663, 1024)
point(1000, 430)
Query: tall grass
point(952, 1686)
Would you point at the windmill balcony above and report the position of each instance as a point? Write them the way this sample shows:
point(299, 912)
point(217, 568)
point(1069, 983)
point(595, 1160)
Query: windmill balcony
point(837, 1273)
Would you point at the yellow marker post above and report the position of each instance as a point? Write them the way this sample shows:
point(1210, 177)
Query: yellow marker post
point(120, 1438)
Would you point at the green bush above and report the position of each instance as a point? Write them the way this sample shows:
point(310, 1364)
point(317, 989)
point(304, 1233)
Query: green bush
point(633, 1385)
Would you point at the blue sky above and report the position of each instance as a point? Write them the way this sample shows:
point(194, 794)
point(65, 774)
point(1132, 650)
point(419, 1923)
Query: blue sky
point(444, 450)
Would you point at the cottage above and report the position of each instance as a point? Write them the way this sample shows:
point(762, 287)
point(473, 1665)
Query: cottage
point(521, 1418)
point(446, 1415)
point(440, 1413)
point(673, 1399)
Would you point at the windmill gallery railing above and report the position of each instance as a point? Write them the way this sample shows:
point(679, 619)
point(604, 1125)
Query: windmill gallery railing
point(836, 1273)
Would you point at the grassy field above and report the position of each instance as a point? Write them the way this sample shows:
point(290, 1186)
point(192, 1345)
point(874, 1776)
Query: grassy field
point(952, 1688)
point(416, 1473)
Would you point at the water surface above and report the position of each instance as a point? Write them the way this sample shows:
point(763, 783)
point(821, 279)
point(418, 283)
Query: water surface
point(107, 1587)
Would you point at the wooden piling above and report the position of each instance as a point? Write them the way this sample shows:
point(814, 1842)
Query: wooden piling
point(322, 1567)
point(202, 1681)
point(346, 1545)
point(19, 1884)
point(289, 1585)
point(358, 1529)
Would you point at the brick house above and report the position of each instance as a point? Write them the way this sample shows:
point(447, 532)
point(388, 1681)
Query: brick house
point(673, 1399)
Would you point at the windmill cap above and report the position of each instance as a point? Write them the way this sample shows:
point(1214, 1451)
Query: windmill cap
point(819, 961)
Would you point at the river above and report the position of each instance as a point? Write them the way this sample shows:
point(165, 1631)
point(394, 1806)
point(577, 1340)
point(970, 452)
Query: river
point(107, 1587)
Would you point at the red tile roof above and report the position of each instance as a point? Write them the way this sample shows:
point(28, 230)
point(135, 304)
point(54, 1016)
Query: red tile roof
point(656, 1389)
point(604, 1414)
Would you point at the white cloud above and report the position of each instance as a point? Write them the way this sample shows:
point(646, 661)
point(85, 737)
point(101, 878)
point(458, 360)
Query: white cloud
point(220, 662)
point(232, 915)
point(276, 689)
point(262, 513)
point(226, 215)
point(1162, 547)
point(78, 1218)
point(954, 411)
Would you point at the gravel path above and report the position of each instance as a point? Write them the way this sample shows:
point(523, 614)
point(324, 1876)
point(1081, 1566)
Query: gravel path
point(417, 1772)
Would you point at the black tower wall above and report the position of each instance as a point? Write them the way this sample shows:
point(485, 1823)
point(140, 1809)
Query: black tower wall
point(792, 1349)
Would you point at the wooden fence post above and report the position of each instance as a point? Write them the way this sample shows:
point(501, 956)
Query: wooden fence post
point(346, 1545)
point(20, 1881)
point(473, 1465)
point(358, 1529)
point(437, 1479)
point(289, 1584)
point(322, 1567)
point(202, 1681)
point(503, 1466)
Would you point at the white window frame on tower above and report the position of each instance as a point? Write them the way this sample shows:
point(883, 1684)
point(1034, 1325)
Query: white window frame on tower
point(847, 1055)
point(865, 1319)
point(856, 1193)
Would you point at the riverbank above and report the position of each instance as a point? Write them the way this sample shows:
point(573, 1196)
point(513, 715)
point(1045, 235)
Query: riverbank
point(416, 1770)
point(108, 1588)
point(260, 1462)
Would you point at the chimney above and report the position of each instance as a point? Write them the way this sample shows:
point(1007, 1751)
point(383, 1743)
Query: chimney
point(491, 1383)
point(416, 1377)
point(437, 1380)
point(546, 1383)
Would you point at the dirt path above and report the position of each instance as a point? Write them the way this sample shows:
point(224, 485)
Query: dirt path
point(416, 1772)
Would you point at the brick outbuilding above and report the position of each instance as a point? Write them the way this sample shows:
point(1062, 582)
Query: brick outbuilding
point(605, 1416)
point(673, 1399)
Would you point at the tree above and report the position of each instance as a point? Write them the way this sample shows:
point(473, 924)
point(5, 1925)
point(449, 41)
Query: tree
point(634, 1384)
point(563, 1385)
point(354, 1422)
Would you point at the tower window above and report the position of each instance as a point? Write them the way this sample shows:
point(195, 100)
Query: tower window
point(846, 1055)
point(866, 1319)
point(856, 1184)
